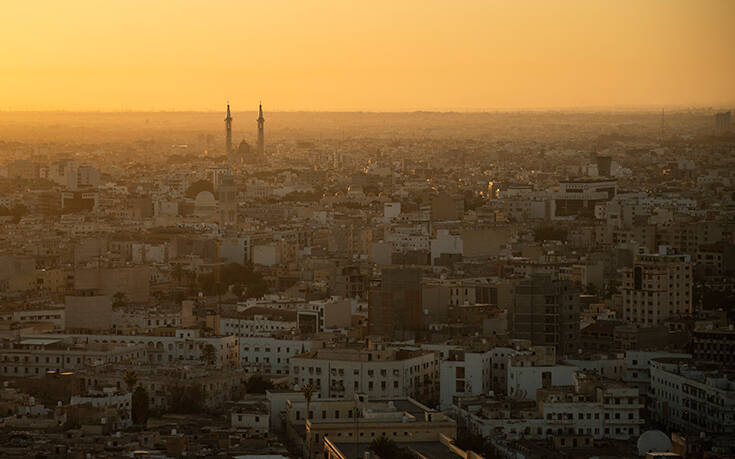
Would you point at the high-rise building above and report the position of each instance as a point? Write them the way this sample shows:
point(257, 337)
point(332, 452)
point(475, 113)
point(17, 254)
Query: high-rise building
point(546, 312)
point(658, 287)
point(395, 306)
point(261, 139)
point(228, 131)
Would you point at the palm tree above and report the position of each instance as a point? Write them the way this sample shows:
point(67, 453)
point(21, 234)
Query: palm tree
point(131, 379)
point(308, 391)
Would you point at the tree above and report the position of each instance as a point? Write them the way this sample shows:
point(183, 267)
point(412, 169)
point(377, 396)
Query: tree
point(308, 391)
point(257, 384)
point(139, 408)
point(131, 379)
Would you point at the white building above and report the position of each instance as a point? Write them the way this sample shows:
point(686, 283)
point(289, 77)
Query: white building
point(257, 321)
point(268, 355)
point(252, 416)
point(445, 243)
point(464, 373)
point(592, 407)
point(692, 397)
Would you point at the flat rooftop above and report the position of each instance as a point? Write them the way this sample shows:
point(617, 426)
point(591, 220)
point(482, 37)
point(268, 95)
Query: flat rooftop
point(427, 449)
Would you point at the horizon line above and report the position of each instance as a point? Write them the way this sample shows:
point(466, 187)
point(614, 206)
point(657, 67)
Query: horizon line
point(644, 108)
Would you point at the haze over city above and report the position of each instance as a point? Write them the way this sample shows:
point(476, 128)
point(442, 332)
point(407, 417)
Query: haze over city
point(379, 230)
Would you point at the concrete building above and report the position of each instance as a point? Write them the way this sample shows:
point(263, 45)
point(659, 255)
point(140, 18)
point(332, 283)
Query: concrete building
point(37, 356)
point(88, 312)
point(591, 406)
point(692, 397)
point(173, 347)
point(378, 372)
point(270, 355)
point(395, 306)
point(714, 345)
point(546, 312)
point(579, 196)
point(361, 420)
point(658, 287)
point(252, 416)
point(464, 373)
point(257, 321)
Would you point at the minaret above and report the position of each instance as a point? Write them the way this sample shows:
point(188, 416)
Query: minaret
point(228, 130)
point(261, 121)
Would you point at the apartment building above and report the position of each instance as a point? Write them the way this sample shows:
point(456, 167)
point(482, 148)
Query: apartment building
point(658, 287)
point(375, 371)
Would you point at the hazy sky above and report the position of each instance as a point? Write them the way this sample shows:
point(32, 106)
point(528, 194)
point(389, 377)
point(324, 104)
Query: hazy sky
point(365, 55)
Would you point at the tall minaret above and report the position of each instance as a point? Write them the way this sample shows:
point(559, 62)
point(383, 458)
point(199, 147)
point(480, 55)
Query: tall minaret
point(261, 121)
point(228, 130)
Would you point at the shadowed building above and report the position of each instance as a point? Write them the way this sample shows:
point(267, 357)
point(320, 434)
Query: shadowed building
point(395, 306)
point(546, 312)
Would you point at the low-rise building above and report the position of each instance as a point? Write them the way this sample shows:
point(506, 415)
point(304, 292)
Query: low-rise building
point(692, 397)
point(378, 372)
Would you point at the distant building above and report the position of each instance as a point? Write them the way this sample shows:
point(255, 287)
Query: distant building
point(722, 122)
point(604, 166)
point(578, 197)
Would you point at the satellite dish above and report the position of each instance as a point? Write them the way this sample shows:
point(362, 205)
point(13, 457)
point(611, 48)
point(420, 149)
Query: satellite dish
point(653, 441)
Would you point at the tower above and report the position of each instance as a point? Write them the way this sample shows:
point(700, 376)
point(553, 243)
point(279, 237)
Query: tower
point(261, 121)
point(228, 130)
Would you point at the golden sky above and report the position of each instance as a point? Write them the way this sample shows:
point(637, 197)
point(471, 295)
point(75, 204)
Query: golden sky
point(379, 55)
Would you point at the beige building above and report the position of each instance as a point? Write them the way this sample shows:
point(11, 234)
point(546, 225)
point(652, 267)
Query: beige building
point(377, 372)
point(658, 287)
point(359, 421)
point(36, 356)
